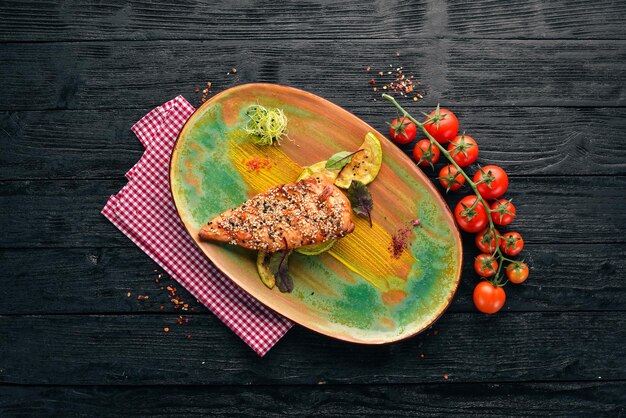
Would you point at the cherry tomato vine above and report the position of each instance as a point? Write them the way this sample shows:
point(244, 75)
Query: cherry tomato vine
point(489, 183)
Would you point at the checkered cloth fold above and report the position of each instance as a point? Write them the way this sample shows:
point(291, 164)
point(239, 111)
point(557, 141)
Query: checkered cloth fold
point(144, 211)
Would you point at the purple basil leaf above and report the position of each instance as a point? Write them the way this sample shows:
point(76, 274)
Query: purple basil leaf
point(361, 199)
point(283, 279)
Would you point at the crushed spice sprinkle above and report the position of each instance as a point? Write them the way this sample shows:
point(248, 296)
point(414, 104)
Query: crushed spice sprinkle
point(173, 297)
point(206, 92)
point(401, 240)
point(398, 81)
point(256, 164)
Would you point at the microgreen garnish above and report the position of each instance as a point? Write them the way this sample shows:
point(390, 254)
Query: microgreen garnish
point(339, 160)
point(266, 125)
point(361, 199)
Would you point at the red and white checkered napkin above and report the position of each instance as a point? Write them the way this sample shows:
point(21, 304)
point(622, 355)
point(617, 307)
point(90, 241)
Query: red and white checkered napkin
point(144, 211)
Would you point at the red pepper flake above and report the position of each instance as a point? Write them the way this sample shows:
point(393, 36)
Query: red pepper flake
point(166, 329)
point(143, 297)
point(189, 336)
point(256, 164)
point(161, 307)
point(416, 222)
point(233, 70)
point(435, 332)
point(445, 376)
point(128, 294)
point(372, 81)
point(368, 69)
point(422, 355)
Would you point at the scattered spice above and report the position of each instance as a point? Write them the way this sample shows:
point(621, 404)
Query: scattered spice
point(398, 81)
point(256, 164)
point(422, 355)
point(401, 239)
point(233, 70)
point(176, 299)
point(166, 329)
point(128, 294)
point(206, 92)
point(445, 376)
point(399, 242)
point(143, 297)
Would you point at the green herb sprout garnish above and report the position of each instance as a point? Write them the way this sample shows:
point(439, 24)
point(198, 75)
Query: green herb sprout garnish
point(266, 125)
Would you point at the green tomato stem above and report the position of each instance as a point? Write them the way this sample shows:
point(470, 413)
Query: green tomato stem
point(470, 182)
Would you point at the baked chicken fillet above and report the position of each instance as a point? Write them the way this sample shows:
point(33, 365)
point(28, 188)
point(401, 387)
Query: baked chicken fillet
point(285, 217)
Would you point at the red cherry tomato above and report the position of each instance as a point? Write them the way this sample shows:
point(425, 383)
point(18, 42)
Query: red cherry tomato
point(492, 181)
point(470, 214)
point(463, 150)
point(502, 212)
point(426, 153)
point(511, 243)
point(485, 265)
point(442, 125)
point(450, 178)
point(486, 241)
point(488, 298)
point(517, 272)
point(402, 130)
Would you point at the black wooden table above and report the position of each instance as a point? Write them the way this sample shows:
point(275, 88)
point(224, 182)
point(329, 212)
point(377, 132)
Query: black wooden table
point(539, 84)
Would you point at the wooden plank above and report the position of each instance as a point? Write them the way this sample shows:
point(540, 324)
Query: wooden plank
point(114, 75)
point(320, 19)
point(98, 280)
point(434, 400)
point(134, 350)
point(99, 143)
point(536, 19)
point(66, 213)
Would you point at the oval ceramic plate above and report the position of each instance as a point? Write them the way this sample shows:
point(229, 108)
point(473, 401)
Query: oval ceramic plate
point(361, 290)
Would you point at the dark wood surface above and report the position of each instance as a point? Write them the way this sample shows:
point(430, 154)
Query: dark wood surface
point(539, 84)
